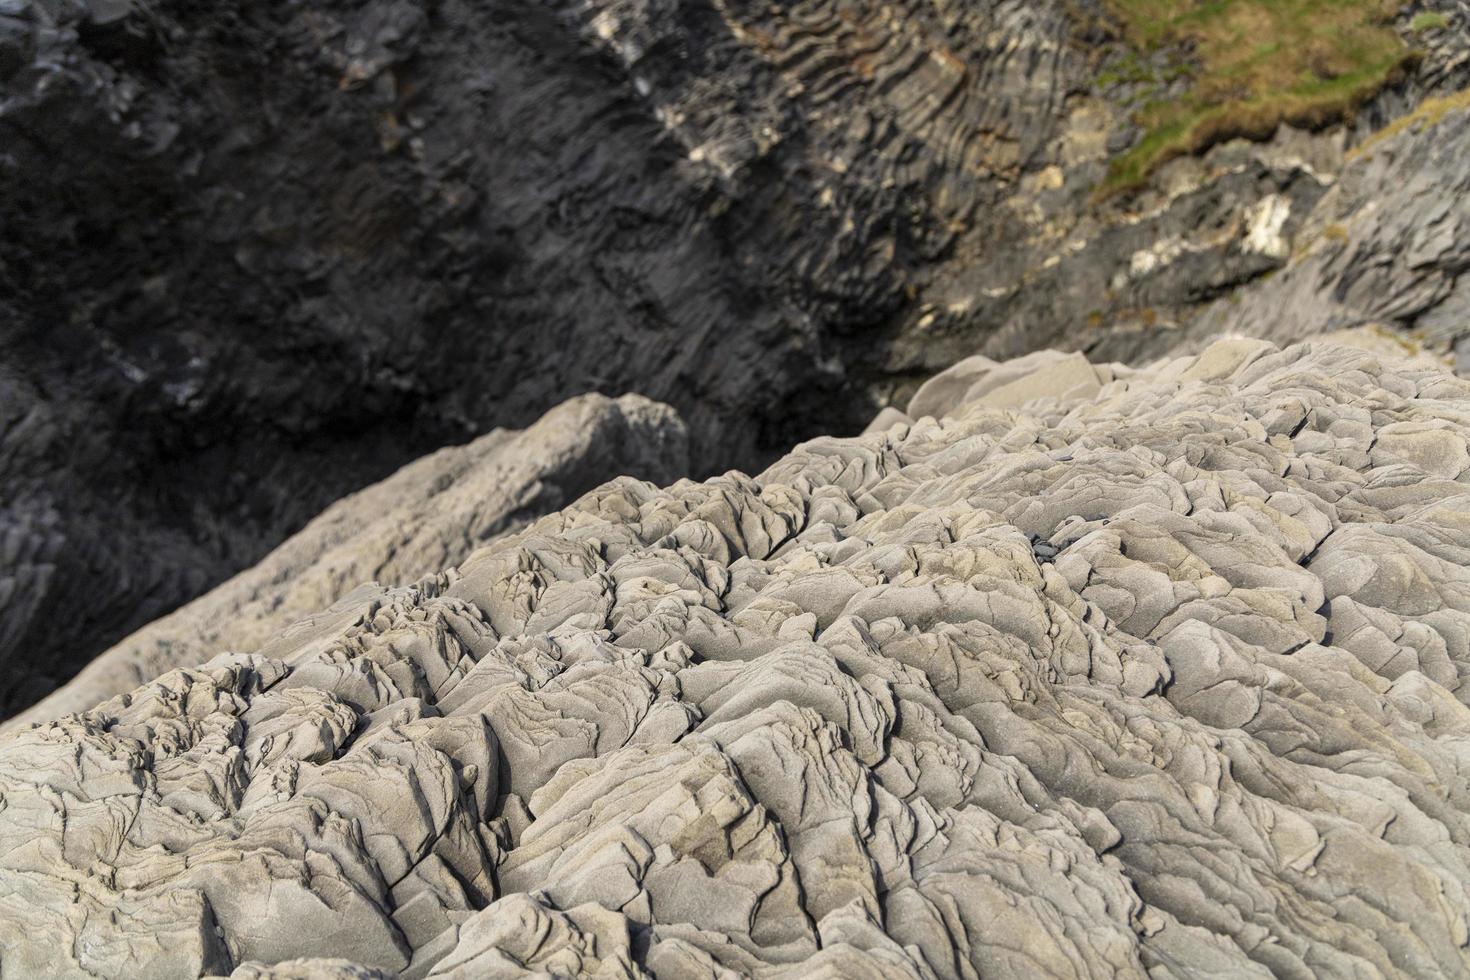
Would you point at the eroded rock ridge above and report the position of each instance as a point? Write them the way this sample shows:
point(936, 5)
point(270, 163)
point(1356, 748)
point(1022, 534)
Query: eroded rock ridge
point(1167, 677)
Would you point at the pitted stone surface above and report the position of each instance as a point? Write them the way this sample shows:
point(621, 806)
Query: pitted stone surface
point(1167, 679)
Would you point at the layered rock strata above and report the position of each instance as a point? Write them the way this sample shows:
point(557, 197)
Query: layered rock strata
point(1386, 250)
point(1167, 677)
point(254, 258)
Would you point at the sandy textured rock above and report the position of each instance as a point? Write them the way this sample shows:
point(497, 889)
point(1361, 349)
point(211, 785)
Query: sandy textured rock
point(428, 516)
point(1168, 680)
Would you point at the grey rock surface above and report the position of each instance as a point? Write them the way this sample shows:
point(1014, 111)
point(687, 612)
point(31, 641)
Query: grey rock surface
point(1166, 679)
point(428, 516)
point(254, 258)
point(1385, 251)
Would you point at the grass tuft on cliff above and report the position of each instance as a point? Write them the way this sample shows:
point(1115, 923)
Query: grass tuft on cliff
point(1252, 65)
point(1429, 113)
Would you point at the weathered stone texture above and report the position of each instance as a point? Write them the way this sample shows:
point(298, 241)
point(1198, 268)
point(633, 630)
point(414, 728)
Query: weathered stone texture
point(1165, 679)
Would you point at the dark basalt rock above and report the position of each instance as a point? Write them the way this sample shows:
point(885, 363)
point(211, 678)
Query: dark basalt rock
point(254, 259)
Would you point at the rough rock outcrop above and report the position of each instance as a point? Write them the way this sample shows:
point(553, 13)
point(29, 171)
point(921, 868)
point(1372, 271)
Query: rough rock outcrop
point(428, 516)
point(1168, 678)
point(253, 258)
point(1386, 249)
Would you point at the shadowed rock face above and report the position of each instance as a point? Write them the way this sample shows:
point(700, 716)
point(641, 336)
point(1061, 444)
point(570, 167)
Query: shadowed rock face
point(255, 259)
point(252, 259)
point(1168, 676)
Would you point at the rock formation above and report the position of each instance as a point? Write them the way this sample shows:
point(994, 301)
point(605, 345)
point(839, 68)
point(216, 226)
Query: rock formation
point(1088, 671)
point(308, 241)
point(428, 516)
point(1388, 246)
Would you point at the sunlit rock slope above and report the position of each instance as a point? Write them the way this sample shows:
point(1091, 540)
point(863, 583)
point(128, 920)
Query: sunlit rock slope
point(1078, 671)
